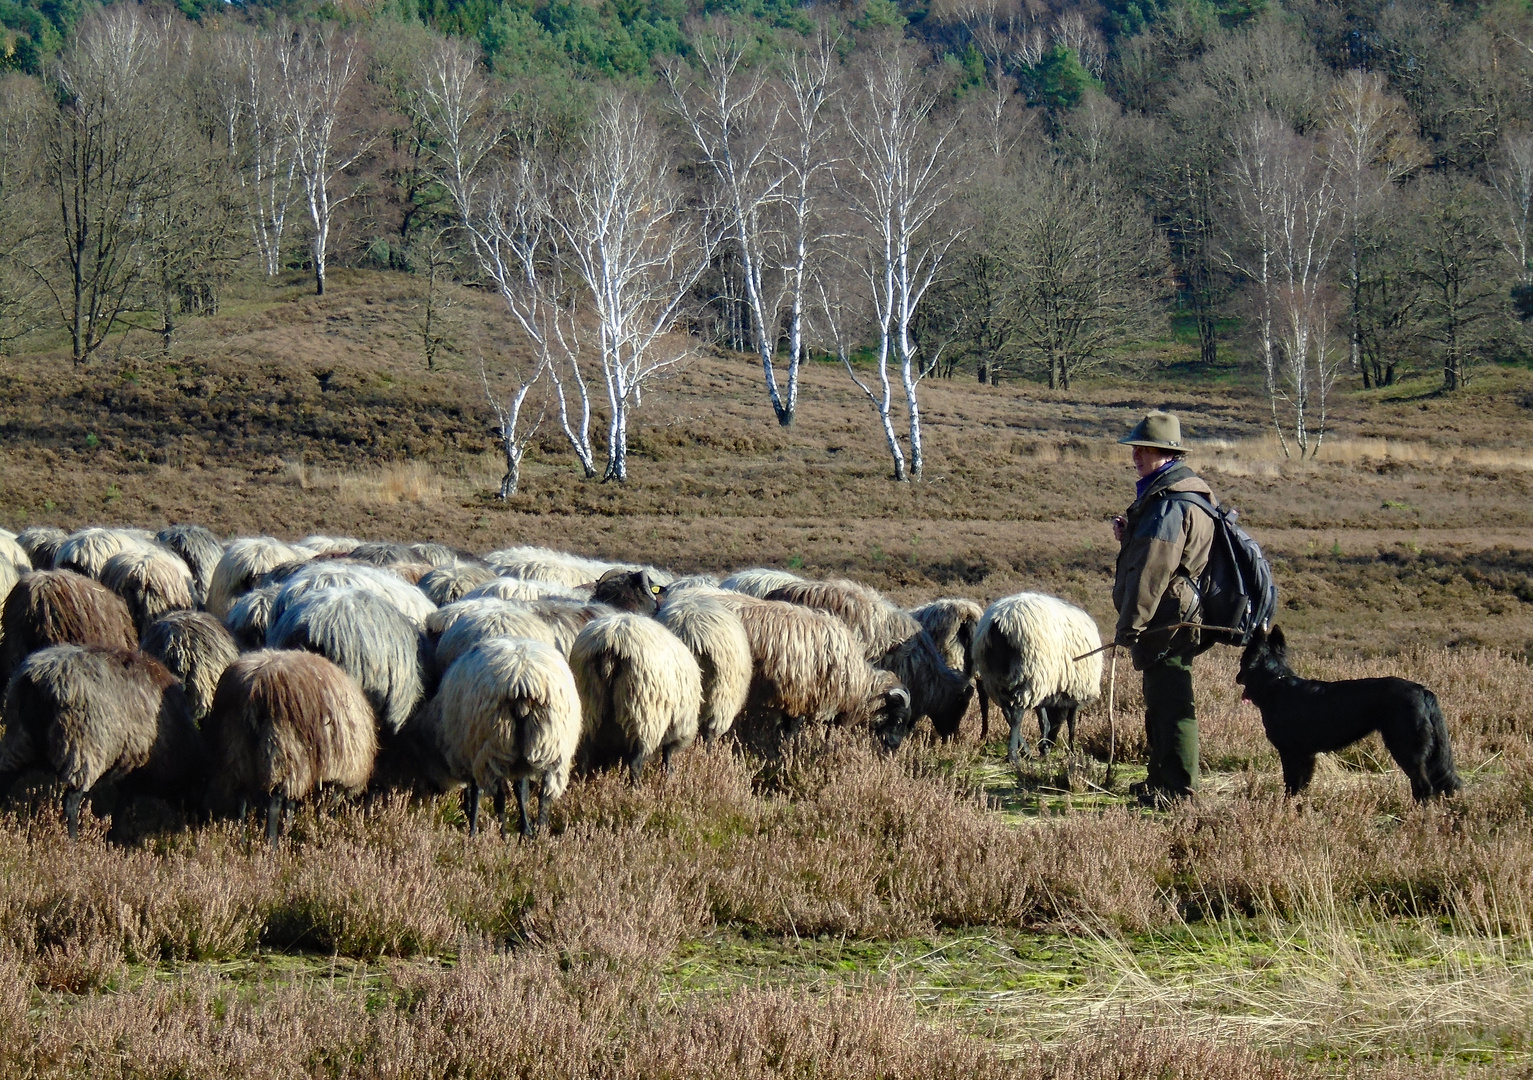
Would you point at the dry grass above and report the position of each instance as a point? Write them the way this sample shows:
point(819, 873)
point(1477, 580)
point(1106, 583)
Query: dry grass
point(382, 485)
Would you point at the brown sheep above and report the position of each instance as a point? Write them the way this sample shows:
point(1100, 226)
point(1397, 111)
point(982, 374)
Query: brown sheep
point(59, 607)
point(196, 648)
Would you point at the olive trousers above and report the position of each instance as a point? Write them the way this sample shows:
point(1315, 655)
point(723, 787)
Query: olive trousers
point(1171, 726)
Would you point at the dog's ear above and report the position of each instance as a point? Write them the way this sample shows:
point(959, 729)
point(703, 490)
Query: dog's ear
point(1276, 640)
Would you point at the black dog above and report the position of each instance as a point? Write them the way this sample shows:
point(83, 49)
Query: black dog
point(1304, 717)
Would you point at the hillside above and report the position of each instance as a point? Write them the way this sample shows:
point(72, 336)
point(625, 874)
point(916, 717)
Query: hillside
point(289, 413)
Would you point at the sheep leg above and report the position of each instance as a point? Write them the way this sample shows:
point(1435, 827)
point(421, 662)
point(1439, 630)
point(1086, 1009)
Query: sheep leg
point(543, 803)
point(1047, 725)
point(665, 756)
point(984, 714)
point(500, 806)
point(1071, 712)
point(636, 765)
point(523, 794)
point(471, 807)
point(1017, 745)
point(275, 808)
point(72, 801)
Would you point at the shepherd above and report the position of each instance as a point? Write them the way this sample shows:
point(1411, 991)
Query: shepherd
point(1164, 547)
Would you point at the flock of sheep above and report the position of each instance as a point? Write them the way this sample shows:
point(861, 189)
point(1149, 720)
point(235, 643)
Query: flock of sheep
point(258, 671)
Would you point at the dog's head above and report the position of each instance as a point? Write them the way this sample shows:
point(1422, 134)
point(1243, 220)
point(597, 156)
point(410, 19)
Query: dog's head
point(1265, 658)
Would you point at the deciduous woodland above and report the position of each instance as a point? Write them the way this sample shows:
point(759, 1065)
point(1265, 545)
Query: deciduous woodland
point(690, 287)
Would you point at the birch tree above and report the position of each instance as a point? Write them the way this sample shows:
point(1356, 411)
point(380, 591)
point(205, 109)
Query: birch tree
point(899, 174)
point(316, 71)
point(626, 234)
point(502, 209)
point(257, 138)
point(1511, 177)
point(733, 118)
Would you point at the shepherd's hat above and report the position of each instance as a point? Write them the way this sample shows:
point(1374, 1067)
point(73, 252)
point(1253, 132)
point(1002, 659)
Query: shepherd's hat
point(1159, 431)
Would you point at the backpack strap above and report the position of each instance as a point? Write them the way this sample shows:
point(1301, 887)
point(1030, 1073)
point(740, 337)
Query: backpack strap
point(1198, 500)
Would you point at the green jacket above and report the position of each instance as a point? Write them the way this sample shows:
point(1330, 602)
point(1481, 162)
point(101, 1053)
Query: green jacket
point(1165, 549)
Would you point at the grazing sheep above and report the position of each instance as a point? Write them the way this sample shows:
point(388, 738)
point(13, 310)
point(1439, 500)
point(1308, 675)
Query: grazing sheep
point(59, 607)
point(87, 550)
point(382, 553)
point(88, 713)
point(242, 562)
point(806, 666)
point(151, 582)
point(444, 584)
point(321, 574)
point(542, 564)
point(41, 543)
point(200, 550)
point(716, 637)
point(566, 617)
point(693, 582)
point(14, 561)
point(329, 545)
point(442, 555)
point(368, 638)
point(283, 724)
point(758, 582)
point(951, 622)
point(633, 591)
point(508, 588)
point(1024, 650)
point(893, 640)
point(640, 690)
point(249, 617)
point(508, 711)
point(490, 619)
point(196, 649)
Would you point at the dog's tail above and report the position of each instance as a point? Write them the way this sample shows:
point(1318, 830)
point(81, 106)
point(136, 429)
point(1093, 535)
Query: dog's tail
point(1440, 771)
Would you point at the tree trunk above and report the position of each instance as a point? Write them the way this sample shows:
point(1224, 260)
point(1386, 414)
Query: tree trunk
point(513, 475)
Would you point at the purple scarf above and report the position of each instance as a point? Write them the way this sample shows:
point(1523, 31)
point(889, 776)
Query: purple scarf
point(1144, 483)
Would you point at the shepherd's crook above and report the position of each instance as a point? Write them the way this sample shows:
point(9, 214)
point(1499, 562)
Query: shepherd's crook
point(1162, 630)
point(1112, 725)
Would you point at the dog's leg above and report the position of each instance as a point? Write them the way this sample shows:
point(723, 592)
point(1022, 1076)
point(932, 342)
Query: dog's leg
point(1298, 769)
point(1412, 754)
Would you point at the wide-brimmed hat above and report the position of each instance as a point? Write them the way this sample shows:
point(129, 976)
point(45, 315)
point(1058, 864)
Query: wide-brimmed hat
point(1158, 430)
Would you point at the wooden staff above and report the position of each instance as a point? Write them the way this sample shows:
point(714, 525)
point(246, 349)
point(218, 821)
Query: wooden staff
point(1163, 630)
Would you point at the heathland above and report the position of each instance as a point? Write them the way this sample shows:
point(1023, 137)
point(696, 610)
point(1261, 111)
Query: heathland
point(847, 913)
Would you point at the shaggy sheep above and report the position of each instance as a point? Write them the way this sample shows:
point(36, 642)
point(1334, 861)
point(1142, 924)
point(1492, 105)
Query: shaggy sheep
point(543, 564)
point(508, 588)
point(508, 711)
point(58, 607)
point(41, 543)
point(14, 561)
point(249, 617)
point(692, 583)
point(86, 712)
point(951, 622)
point(198, 548)
point(640, 690)
point(807, 667)
point(442, 555)
point(444, 584)
point(490, 619)
point(382, 553)
point(87, 551)
point(893, 640)
point(716, 638)
point(283, 724)
point(368, 638)
point(151, 581)
point(1024, 649)
point(633, 591)
point(566, 617)
point(329, 545)
point(321, 574)
point(759, 582)
point(196, 649)
point(242, 562)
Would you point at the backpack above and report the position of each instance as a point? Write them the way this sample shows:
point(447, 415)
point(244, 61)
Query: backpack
point(1236, 590)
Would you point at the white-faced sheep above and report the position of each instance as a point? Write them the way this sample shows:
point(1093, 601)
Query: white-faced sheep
point(321, 574)
point(807, 667)
point(88, 713)
point(640, 691)
point(41, 543)
point(242, 562)
point(199, 548)
point(893, 640)
point(151, 581)
point(58, 607)
point(368, 638)
point(282, 725)
point(951, 622)
point(86, 551)
point(249, 617)
point(759, 581)
point(444, 584)
point(508, 711)
point(1024, 650)
point(484, 619)
point(196, 649)
point(716, 638)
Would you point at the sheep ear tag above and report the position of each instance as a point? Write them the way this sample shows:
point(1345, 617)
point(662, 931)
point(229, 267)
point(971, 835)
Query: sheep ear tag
point(655, 589)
